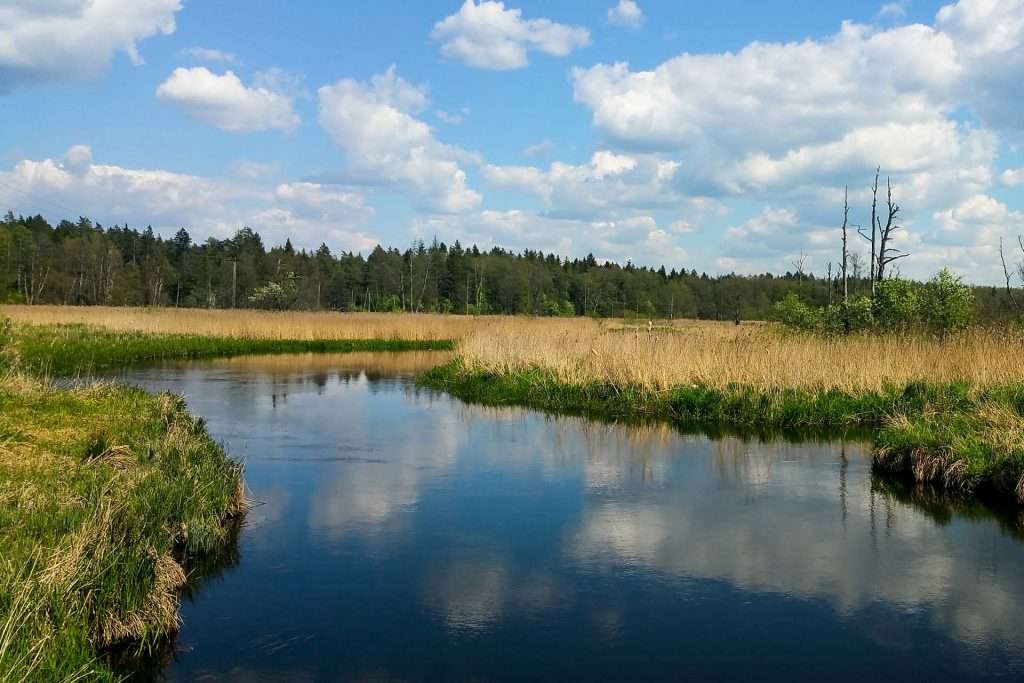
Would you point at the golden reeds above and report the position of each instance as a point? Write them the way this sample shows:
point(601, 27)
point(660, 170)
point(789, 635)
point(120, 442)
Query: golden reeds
point(757, 356)
point(246, 324)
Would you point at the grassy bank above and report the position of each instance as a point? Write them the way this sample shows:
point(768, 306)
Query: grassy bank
point(106, 495)
point(945, 411)
point(75, 348)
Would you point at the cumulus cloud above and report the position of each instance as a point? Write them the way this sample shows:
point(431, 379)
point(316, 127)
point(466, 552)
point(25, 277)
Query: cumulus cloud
point(489, 36)
point(626, 13)
point(606, 184)
point(978, 220)
point(989, 39)
point(791, 123)
point(308, 213)
point(636, 238)
point(67, 40)
point(1012, 177)
point(222, 100)
point(750, 99)
point(895, 11)
point(374, 125)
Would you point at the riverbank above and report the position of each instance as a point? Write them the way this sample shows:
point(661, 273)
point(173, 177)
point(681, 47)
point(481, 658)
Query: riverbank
point(944, 411)
point(107, 496)
point(81, 349)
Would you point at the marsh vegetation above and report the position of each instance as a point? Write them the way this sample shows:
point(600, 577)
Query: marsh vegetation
point(84, 467)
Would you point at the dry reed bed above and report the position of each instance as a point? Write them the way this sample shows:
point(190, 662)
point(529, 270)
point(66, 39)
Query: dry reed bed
point(247, 324)
point(757, 356)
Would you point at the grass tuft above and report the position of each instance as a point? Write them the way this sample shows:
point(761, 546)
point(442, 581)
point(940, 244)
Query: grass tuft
point(107, 494)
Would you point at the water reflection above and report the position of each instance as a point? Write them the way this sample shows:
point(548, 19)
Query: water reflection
point(407, 536)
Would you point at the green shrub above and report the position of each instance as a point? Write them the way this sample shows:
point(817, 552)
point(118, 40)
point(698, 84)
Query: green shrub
point(853, 317)
point(276, 296)
point(946, 303)
point(896, 305)
point(795, 314)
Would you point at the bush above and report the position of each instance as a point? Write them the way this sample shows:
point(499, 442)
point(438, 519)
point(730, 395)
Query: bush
point(854, 317)
point(896, 305)
point(553, 306)
point(946, 303)
point(794, 313)
point(276, 296)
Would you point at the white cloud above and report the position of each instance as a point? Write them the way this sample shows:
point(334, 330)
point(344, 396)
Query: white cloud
point(766, 96)
point(67, 40)
point(204, 54)
point(373, 124)
point(978, 220)
point(609, 184)
point(253, 170)
point(773, 234)
point(681, 227)
point(637, 238)
point(934, 162)
point(896, 11)
point(225, 102)
point(308, 213)
point(1012, 177)
point(626, 13)
point(540, 149)
point(989, 37)
point(488, 36)
point(792, 123)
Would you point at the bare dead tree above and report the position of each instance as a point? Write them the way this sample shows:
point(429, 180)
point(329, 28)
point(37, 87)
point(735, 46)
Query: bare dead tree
point(828, 279)
point(857, 265)
point(1006, 272)
point(886, 253)
point(874, 221)
point(798, 264)
point(843, 266)
point(1020, 265)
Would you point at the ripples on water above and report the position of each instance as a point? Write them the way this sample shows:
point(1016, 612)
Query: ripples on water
point(403, 535)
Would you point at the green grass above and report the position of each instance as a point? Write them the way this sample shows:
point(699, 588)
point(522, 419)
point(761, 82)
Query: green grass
point(106, 493)
point(967, 439)
point(70, 349)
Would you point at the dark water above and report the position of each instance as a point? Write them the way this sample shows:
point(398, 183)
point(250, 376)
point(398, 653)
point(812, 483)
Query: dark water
point(405, 536)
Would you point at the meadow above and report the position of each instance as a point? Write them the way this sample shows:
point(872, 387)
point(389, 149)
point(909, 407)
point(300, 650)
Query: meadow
point(253, 325)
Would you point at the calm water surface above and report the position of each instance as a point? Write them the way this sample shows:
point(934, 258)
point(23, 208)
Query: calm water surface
point(405, 536)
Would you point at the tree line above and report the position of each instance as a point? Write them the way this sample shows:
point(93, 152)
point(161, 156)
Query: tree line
point(85, 263)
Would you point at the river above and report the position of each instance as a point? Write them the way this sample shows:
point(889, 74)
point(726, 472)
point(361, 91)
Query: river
point(401, 535)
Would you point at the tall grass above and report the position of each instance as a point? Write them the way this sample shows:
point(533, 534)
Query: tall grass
point(106, 493)
point(755, 356)
point(248, 324)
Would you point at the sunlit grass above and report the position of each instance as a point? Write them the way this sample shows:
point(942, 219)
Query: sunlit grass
point(104, 492)
point(248, 324)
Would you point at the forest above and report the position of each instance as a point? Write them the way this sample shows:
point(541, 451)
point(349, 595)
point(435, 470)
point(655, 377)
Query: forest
point(85, 263)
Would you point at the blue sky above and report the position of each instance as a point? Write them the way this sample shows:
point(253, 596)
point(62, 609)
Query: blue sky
point(715, 136)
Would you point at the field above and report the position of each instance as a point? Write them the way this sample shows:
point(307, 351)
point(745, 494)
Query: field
point(262, 325)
